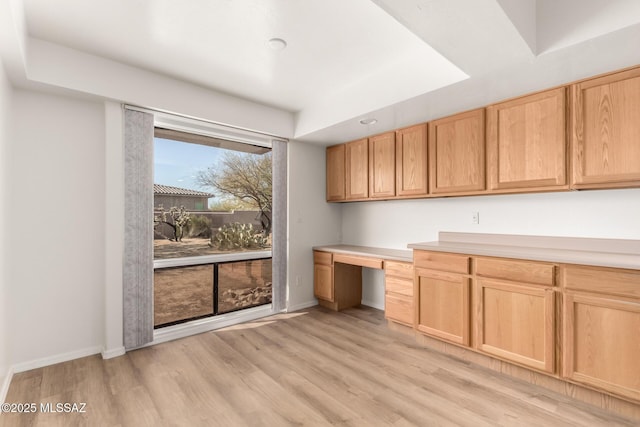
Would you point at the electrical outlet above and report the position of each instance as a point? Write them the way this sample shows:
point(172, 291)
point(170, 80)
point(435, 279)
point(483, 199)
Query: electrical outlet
point(475, 218)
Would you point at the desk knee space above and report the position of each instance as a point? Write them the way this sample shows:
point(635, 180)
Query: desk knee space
point(338, 275)
point(347, 287)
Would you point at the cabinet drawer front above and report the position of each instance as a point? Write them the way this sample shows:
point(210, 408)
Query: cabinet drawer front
point(358, 260)
point(398, 286)
point(602, 280)
point(441, 261)
point(399, 308)
point(322, 257)
point(517, 271)
point(399, 269)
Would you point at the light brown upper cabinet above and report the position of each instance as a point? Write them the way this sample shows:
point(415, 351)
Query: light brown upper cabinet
point(411, 161)
point(605, 131)
point(357, 169)
point(382, 165)
point(457, 153)
point(526, 143)
point(335, 173)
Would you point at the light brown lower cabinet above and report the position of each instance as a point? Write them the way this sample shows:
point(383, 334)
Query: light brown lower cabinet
point(398, 308)
point(601, 331)
point(322, 276)
point(602, 343)
point(516, 322)
point(398, 292)
point(575, 322)
point(442, 305)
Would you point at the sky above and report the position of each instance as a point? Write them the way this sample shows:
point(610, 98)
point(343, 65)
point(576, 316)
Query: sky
point(177, 163)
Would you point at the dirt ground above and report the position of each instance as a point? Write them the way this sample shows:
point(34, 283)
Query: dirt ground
point(186, 292)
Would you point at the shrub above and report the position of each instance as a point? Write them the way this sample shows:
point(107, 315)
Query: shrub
point(238, 236)
point(200, 226)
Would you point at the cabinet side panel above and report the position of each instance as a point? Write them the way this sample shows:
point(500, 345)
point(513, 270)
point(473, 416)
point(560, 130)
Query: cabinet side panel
point(335, 173)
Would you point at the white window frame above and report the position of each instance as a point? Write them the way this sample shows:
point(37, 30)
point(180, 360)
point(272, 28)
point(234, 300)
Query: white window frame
point(195, 126)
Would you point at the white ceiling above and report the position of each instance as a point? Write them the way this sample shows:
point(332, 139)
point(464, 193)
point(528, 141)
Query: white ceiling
point(402, 61)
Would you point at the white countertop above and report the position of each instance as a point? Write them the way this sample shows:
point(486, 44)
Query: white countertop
point(367, 251)
point(618, 253)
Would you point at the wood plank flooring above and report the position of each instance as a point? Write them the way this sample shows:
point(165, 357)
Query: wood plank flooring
point(313, 367)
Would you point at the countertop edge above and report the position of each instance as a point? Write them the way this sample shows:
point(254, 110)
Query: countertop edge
point(554, 255)
point(368, 251)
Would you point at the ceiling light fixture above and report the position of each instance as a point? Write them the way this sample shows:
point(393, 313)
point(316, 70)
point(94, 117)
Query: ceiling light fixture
point(277, 44)
point(369, 121)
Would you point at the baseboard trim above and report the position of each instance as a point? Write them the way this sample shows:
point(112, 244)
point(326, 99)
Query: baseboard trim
point(302, 305)
point(212, 323)
point(58, 358)
point(114, 352)
point(5, 385)
point(379, 306)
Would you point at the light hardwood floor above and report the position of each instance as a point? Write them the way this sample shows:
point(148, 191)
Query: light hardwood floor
point(312, 367)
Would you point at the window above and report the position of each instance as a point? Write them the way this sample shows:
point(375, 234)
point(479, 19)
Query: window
point(139, 265)
point(212, 226)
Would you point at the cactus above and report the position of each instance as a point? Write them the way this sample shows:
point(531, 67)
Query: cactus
point(238, 236)
point(177, 218)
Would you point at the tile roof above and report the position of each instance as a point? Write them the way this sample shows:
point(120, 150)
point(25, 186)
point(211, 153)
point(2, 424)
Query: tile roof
point(167, 190)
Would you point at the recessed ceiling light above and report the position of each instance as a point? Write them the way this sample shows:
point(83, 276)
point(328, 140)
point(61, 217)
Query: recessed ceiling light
point(277, 44)
point(369, 121)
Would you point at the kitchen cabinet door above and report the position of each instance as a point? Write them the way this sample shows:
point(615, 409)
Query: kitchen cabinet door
point(442, 305)
point(323, 276)
point(382, 165)
point(411, 161)
point(605, 131)
point(335, 173)
point(457, 153)
point(357, 169)
point(601, 344)
point(601, 326)
point(526, 143)
point(517, 322)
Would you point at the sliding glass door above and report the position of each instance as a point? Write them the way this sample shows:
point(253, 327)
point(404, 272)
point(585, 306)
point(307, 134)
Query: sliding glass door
point(212, 226)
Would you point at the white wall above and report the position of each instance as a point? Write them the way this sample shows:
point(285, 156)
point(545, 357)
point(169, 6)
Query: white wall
point(394, 224)
point(312, 221)
point(60, 66)
point(5, 109)
point(56, 243)
point(114, 229)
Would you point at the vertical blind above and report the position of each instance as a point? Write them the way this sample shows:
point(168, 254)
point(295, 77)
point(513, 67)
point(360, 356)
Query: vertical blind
point(138, 235)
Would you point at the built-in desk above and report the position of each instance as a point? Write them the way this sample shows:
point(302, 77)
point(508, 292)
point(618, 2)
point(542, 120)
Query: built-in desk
point(338, 271)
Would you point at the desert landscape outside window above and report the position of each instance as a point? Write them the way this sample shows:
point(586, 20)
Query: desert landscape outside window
point(212, 221)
